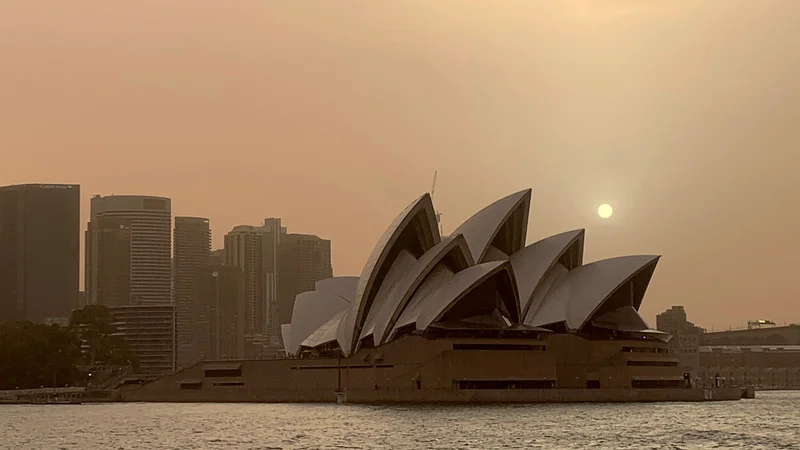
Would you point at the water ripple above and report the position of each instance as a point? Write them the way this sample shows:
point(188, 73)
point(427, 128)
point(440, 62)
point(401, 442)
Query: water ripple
point(769, 422)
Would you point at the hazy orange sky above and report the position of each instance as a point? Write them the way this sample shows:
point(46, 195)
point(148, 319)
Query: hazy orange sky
point(683, 114)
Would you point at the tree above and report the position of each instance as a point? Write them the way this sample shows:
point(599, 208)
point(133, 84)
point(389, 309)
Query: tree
point(33, 356)
point(103, 346)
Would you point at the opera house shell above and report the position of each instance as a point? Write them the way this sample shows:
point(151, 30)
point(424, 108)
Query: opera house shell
point(477, 316)
point(480, 278)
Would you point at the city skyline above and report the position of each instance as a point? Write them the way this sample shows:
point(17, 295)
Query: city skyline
point(478, 316)
point(738, 323)
point(681, 115)
point(559, 224)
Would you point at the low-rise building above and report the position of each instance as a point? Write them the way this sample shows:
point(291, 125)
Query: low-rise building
point(151, 334)
point(754, 335)
point(764, 367)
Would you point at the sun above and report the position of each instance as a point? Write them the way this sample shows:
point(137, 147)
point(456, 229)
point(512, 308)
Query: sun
point(605, 211)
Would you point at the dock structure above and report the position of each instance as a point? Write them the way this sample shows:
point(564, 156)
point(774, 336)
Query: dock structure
point(63, 395)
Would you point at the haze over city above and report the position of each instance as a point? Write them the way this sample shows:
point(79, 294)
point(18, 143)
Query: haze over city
point(682, 115)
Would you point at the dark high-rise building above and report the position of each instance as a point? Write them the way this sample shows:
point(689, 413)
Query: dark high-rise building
point(145, 224)
point(216, 257)
point(276, 266)
point(222, 293)
point(112, 235)
point(39, 251)
point(243, 249)
point(192, 245)
point(272, 235)
point(304, 260)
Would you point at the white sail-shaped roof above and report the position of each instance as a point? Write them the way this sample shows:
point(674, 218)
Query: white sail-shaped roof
point(311, 310)
point(534, 261)
point(463, 283)
point(494, 254)
point(481, 276)
point(584, 290)
point(453, 247)
point(402, 264)
point(625, 318)
point(551, 278)
point(344, 287)
point(505, 220)
point(286, 335)
point(327, 333)
point(416, 230)
point(434, 283)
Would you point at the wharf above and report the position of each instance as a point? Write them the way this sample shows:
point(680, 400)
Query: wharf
point(366, 396)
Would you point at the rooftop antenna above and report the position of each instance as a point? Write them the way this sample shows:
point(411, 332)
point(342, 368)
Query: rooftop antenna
point(438, 214)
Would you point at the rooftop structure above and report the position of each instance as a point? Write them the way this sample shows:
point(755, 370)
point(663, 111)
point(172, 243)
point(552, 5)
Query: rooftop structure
point(760, 323)
point(772, 335)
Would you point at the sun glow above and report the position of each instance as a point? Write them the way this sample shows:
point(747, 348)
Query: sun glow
point(605, 211)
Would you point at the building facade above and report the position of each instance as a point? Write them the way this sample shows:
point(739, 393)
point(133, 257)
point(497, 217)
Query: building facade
point(243, 249)
point(216, 257)
point(305, 259)
point(192, 245)
point(272, 235)
point(277, 266)
point(222, 294)
point(112, 260)
point(761, 366)
point(763, 355)
point(39, 251)
point(151, 334)
point(685, 337)
point(145, 224)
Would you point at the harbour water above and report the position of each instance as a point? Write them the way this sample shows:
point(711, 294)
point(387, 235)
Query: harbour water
point(771, 421)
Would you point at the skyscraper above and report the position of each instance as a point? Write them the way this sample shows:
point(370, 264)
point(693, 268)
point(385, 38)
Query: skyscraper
point(304, 260)
point(244, 250)
point(112, 236)
point(145, 224)
point(191, 249)
point(222, 292)
point(271, 234)
point(276, 266)
point(216, 257)
point(39, 251)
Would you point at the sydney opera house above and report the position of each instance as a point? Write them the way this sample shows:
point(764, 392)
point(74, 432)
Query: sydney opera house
point(476, 316)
